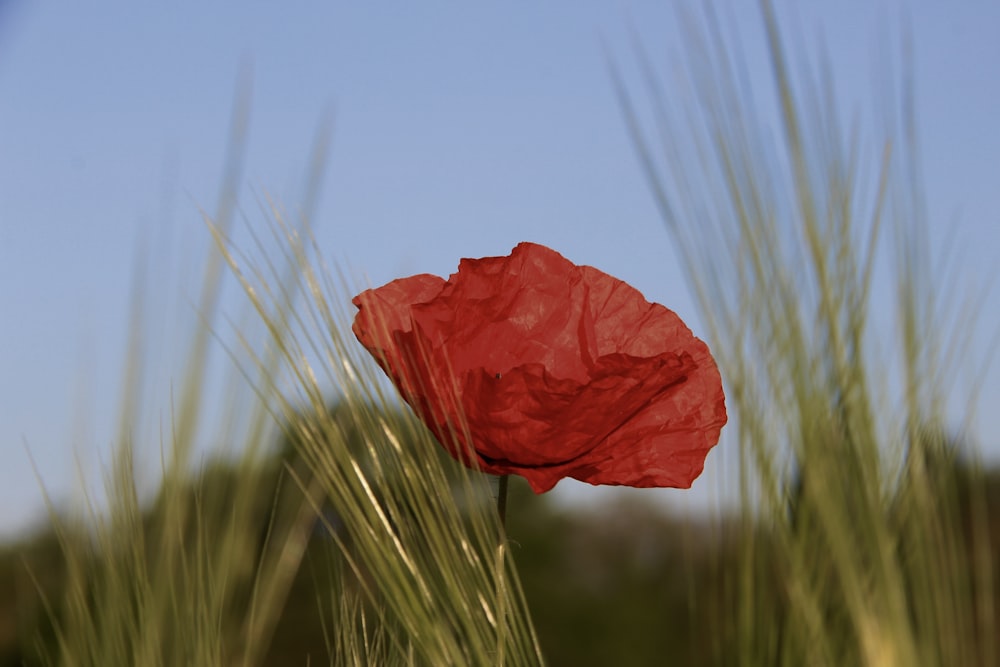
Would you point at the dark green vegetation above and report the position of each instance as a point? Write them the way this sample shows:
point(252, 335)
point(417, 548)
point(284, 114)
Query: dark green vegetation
point(623, 585)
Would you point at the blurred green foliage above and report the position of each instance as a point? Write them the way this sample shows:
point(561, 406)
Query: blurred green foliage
point(625, 584)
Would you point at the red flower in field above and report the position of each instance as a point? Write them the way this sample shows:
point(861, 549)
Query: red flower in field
point(532, 365)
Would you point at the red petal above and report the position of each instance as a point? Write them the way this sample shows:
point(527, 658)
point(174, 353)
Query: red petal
point(542, 368)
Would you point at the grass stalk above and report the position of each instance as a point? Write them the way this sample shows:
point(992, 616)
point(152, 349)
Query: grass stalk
point(779, 237)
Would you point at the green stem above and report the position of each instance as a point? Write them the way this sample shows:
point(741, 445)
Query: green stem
point(502, 629)
point(502, 500)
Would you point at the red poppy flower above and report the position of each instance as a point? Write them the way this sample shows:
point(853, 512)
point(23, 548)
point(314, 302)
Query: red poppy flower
point(529, 364)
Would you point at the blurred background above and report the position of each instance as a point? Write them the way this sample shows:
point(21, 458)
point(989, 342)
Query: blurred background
point(455, 131)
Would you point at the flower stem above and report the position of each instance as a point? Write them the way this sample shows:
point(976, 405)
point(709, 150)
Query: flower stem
point(502, 500)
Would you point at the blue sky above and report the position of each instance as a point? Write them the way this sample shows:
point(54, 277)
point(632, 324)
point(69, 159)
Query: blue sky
point(459, 130)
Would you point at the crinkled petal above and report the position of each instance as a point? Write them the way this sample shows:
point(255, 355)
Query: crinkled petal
point(529, 364)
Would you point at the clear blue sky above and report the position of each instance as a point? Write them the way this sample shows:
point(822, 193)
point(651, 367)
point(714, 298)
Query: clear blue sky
point(460, 130)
